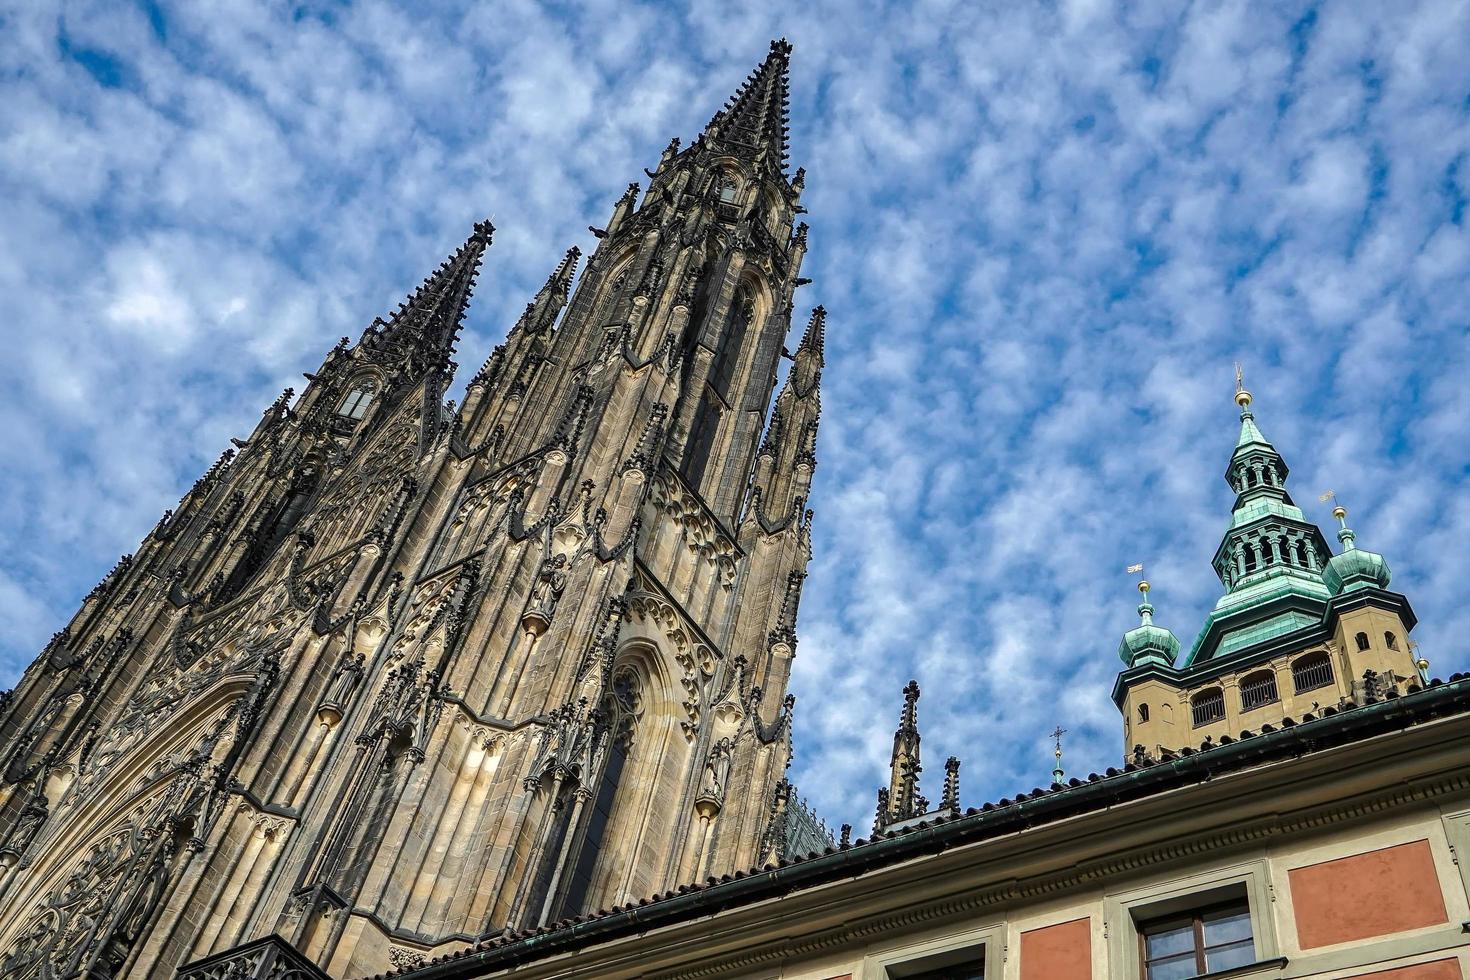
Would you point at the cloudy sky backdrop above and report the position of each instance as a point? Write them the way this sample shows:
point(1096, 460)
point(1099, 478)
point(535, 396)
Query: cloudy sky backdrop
point(1044, 232)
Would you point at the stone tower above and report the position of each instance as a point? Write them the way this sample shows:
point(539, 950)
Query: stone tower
point(394, 676)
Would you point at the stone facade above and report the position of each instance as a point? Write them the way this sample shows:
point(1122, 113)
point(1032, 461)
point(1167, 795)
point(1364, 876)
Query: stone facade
point(395, 675)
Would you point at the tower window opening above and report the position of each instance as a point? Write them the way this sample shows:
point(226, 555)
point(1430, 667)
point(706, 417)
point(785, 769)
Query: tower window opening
point(355, 405)
point(1301, 554)
point(1143, 712)
point(729, 190)
point(1391, 641)
point(1251, 563)
point(1362, 640)
point(1311, 672)
point(1250, 478)
point(1207, 706)
point(1258, 689)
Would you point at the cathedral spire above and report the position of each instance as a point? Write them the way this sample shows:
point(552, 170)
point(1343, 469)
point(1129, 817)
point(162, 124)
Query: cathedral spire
point(427, 323)
point(754, 123)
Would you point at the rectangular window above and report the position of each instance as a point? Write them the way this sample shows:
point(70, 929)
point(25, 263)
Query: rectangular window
point(966, 964)
point(1197, 942)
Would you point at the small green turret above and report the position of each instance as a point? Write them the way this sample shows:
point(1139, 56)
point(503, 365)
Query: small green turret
point(1354, 568)
point(1147, 643)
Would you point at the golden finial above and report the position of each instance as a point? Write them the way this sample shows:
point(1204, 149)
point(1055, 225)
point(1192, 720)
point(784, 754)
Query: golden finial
point(1339, 512)
point(1242, 397)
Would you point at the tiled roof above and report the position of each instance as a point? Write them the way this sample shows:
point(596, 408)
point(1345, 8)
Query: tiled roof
point(1332, 727)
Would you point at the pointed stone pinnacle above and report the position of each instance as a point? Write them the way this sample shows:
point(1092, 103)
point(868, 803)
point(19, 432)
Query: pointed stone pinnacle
point(816, 332)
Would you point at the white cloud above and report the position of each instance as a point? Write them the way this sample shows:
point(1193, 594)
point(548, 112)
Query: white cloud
point(1043, 235)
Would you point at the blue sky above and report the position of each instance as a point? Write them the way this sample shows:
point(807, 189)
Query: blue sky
point(1043, 231)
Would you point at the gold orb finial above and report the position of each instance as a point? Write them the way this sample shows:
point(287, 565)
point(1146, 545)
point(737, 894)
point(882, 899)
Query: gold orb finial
point(1243, 398)
point(1143, 587)
point(1340, 512)
point(1422, 664)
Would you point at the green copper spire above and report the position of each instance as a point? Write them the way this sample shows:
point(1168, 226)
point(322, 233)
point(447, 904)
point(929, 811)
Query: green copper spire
point(1147, 643)
point(1271, 558)
point(1354, 568)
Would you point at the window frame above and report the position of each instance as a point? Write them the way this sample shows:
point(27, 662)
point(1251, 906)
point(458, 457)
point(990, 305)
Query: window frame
point(1124, 912)
point(1195, 917)
point(360, 395)
point(910, 959)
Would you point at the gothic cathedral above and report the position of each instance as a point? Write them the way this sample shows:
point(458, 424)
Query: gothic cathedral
point(394, 675)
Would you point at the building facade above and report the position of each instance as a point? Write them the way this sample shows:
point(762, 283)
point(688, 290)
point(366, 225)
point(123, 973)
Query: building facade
point(395, 675)
point(499, 690)
point(1314, 832)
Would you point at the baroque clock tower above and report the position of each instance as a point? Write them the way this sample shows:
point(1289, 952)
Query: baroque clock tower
point(395, 676)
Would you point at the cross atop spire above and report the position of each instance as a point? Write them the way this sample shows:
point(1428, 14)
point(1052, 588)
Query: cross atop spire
point(754, 123)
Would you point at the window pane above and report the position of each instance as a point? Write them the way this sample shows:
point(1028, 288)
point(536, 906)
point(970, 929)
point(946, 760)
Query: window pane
point(1177, 968)
point(968, 970)
point(1227, 927)
point(1170, 940)
point(1229, 957)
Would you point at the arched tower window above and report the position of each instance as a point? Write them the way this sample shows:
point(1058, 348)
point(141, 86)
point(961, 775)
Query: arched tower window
point(1311, 672)
point(1361, 640)
point(1301, 554)
point(1391, 641)
point(732, 341)
point(279, 522)
point(1258, 689)
point(355, 403)
point(1207, 706)
point(622, 707)
point(1143, 712)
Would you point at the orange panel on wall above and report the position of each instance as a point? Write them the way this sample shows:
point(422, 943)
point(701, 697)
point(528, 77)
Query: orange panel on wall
point(1371, 894)
point(1438, 970)
point(1059, 952)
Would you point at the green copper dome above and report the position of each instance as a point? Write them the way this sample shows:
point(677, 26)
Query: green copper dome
point(1147, 643)
point(1354, 568)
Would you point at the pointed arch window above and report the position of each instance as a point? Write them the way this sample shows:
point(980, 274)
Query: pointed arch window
point(355, 403)
point(1208, 706)
point(277, 525)
point(732, 341)
point(621, 707)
